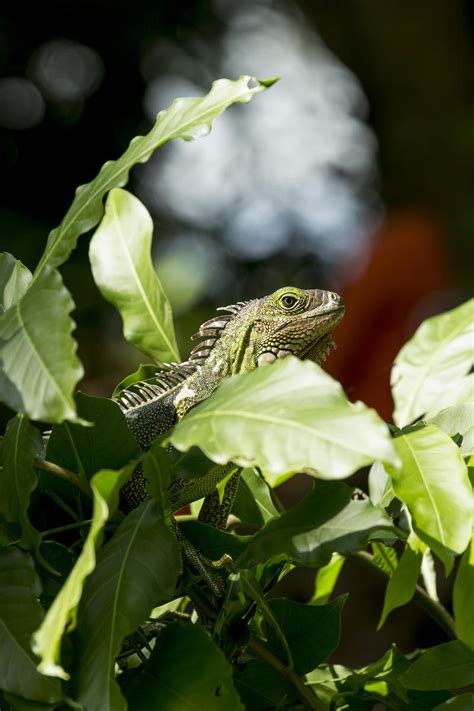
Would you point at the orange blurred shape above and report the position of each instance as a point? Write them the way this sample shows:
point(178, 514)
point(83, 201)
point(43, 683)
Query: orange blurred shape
point(407, 270)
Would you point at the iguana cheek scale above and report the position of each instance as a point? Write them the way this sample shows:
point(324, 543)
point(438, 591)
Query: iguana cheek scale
point(245, 336)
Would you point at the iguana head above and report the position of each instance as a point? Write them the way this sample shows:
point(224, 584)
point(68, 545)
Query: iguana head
point(289, 321)
point(297, 322)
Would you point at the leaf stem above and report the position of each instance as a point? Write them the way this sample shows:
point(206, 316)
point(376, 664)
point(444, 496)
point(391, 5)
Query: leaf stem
point(67, 527)
point(305, 694)
point(64, 474)
point(434, 609)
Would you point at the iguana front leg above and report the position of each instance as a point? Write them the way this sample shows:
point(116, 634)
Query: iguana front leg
point(217, 506)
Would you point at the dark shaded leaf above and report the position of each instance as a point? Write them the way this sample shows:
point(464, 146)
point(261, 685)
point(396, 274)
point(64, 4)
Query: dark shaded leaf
point(20, 615)
point(186, 671)
point(253, 502)
point(312, 631)
point(109, 444)
point(326, 521)
point(447, 666)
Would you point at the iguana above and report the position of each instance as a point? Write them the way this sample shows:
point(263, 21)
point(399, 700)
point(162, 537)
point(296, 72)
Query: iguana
point(244, 336)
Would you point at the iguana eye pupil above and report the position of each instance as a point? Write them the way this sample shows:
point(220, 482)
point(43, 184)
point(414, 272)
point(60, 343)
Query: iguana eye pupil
point(288, 301)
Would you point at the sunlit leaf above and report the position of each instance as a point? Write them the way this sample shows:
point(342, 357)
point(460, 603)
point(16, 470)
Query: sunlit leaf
point(20, 615)
point(186, 671)
point(120, 256)
point(463, 599)
point(434, 484)
point(185, 118)
point(458, 419)
point(447, 666)
point(326, 579)
point(328, 520)
point(402, 583)
point(18, 478)
point(439, 354)
point(39, 353)
point(15, 279)
point(287, 417)
point(61, 616)
point(384, 557)
point(380, 485)
point(136, 570)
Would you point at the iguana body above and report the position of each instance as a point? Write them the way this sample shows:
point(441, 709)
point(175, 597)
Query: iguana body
point(247, 335)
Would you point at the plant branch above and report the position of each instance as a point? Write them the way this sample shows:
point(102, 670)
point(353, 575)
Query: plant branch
point(305, 694)
point(64, 474)
point(434, 609)
point(67, 527)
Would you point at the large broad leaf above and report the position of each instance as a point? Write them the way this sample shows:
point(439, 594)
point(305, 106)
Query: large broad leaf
point(185, 118)
point(438, 355)
point(328, 520)
point(312, 631)
point(463, 702)
point(260, 687)
point(136, 571)
point(18, 478)
point(108, 444)
point(61, 616)
point(463, 599)
point(447, 666)
point(326, 579)
point(120, 256)
point(458, 419)
point(287, 417)
point(186, 671)
point(38, 352)
point(402, 583)
point(15, 279)
point(20, 615)
point(434, 484)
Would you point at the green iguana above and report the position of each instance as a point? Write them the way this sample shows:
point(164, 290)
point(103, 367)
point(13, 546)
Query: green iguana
point(247, 335)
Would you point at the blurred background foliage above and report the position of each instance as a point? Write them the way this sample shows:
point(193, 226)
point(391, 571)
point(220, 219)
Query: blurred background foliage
point(354, 173)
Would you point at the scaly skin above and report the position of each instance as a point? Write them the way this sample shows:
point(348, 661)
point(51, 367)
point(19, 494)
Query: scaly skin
point(289, 321)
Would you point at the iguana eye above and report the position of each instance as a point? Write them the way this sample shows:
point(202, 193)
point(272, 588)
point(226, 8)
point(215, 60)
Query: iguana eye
point(288, 300)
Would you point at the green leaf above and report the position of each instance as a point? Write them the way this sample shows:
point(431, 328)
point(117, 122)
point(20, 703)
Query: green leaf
point(380, 485)
point(447, 666)
point(15, 279)
point(326, 579)
point(402, 583)
point(20, 615)
point(185, 118)
point(458, 419)
point(39, 353)
point(463, 599)
point(253, 417)
point(61, 616)
point(434, 484)
point(120, 256)
point(384, 557)
point(312, 631)
point(108, 444)
point(253, 503)
point(439, 354)
point(464, 702)
point(260, 687)
point(143, 372)
point(326, 521)
point(185, 671)
point(22, 442)
point(136, 571)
